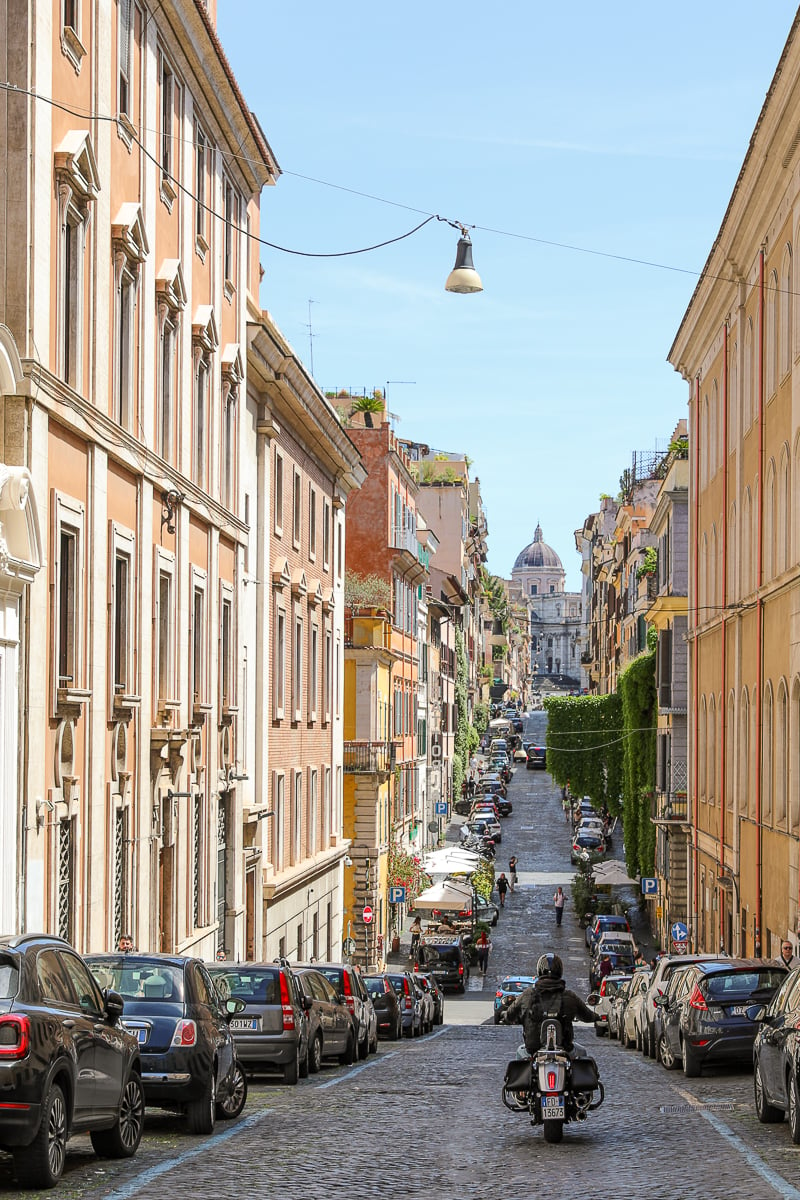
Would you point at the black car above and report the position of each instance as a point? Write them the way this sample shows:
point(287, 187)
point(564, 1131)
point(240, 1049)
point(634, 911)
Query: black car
point(776, 1055)
point(386, 1004)
point(707, 1019)
point(332, 1029)
point(537, 757)
point(427, 982)
point(272, 1029)
point(67, 1063)
point(347, 981)
point(189, 1061)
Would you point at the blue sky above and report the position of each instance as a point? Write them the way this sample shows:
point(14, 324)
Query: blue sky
point(618, 128)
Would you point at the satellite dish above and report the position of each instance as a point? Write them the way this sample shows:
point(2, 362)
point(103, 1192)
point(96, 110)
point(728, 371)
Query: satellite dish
point(433, 826)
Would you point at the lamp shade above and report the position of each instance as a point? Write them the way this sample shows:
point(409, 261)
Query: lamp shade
point(463, 278)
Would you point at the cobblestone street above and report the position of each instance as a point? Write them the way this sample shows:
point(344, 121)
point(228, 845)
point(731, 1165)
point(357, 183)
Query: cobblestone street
point(425, 1118)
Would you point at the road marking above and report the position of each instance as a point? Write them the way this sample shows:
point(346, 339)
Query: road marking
point(754, 1160)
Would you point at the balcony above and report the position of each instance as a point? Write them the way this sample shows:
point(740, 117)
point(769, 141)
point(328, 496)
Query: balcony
point(671, 809)
point(405, 538)
point(368, 758)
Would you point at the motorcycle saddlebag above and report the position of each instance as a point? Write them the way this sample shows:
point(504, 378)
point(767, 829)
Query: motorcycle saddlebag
point(585, 1076)
point(519, 1075)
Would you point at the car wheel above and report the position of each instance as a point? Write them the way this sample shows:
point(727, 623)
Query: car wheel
point(291, 1070)
point(440, 1018)
point(122, 1140)
point(497, 1018)
point(691, 1062)
point(408, 1030)
point(639, 1042)
point(767, 1113)
point(373, 1046)
point(41, 1164)
point(302, 1066)
point(417, 1029)
point(315, 1054)
point(202, 1113)
point(397, 1032)
point(600, 1030)
point(794, 1108)
point(348, 1057)
point(665, 1055)
point(363, 1047)
point(229, 1108)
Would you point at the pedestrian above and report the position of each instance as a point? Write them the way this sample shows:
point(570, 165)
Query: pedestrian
point(222, 955)
point(787, 955)
point(482, 947)
point(639, 960)
point(512, 871)
point(502, 888)
point(567, 811)
point(606, 966)
point(125, 943)
point(415, 930)
point(471, 786)
point(559, 900)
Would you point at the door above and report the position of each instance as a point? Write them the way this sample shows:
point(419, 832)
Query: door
point(775, 1031)
point(209, 1014)
point(109, 1043)
point(250, 915)
point(77, 1028)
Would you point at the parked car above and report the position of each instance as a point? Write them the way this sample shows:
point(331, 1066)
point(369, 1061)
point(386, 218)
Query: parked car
point(188, 1055)
point(706, 1021)
point(605, 923)
point(776, 1055)
point(630, 1018)
point(428, 983)
point(616, 1008)
point(612, 938)
point(622, 958)
point(511, 987)
point(482, 827)
point(445, 957)
point(427, 1006)
point(386, 1004)
point(536, 757)
point(332, 1030)
point(606, 992)
point(410, 998)
point(586, 844)
point(272, 1029)
point(657, 986)
point(67, 1063)
point(347, 981)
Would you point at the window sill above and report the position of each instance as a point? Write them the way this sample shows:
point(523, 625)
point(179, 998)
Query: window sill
point(126, 129)
point(201, 247)
point(124, 704)
point(72, 47)
point(169, 192)
point(229, 290)
point(70, 701)
point(227, 713)
point(200, 711)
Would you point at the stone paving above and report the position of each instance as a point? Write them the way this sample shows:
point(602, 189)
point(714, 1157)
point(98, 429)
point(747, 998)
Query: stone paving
point(424, 1118)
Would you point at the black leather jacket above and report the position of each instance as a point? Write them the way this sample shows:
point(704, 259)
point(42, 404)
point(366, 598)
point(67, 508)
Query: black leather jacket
point(531, 1008)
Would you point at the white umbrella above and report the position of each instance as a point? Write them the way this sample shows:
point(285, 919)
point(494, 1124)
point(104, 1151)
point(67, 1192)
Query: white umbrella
point(455, 859)
point(613, 872)
point(446, 896)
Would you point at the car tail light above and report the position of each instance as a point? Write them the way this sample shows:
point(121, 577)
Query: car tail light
point(349, 998)
point(15, 1035)
point(697, 999)
point(551, 1081)
point(185, 1034)
point(603, 987)
point(461, 968)
point(287, 1008)
point(498, 992)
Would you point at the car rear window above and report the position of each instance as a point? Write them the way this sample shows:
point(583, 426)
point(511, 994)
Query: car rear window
point(514, 985)
point(262, 986)
point(157, 982)
point(9, 979)
point(740, 985)
point(375, 987)
point(448, 955)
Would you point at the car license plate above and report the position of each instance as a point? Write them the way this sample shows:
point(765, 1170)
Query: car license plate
point(246, 1023)
point(141, 1032)
point(738, 1010)
point(552, 1108)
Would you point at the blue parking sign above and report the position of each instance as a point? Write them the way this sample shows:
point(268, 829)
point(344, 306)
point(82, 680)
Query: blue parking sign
point(397, 895)
point(649, 886)
point(440, 808)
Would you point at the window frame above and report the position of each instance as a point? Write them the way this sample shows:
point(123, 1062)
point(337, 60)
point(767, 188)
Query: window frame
point(277, 493)
point(227, 671)
point(168, 111)
point(122, 549)
point(279, 661)
point(164, 566)
point(297, 666)
point(297, 507)
point(198, 641)
point(68, 515)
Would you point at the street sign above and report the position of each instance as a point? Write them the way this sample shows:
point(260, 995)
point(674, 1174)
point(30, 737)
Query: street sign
point(679, 947)
point(679, 932)
point(397, 895)
point(366, 915)
point(649, 886)
point(441, 808)
point(659, 912)
point(349, 945)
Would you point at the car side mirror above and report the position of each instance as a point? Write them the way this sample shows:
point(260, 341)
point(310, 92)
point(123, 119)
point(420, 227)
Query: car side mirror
point(113, 1005)
point(756, 1012)
point(306, 1003)
point(233, 1006)
point(593, 999)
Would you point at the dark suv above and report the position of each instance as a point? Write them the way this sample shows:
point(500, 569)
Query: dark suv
point(67, 1064)
point(347, 981)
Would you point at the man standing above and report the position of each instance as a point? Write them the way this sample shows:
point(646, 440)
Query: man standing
point(502, 888)
point(558, 903)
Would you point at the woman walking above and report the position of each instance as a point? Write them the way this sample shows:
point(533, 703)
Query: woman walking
point(559, 899)
point(483, 946)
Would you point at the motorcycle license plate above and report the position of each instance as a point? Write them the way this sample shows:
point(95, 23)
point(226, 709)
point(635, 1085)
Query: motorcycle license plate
point(552, 1108)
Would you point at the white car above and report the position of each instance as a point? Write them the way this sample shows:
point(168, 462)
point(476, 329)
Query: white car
point(613, 936)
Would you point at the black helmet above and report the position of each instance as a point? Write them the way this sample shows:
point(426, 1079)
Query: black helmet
point(549, 966)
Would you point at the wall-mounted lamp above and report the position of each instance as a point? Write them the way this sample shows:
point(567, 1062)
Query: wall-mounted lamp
point(232, 777)
point(169, 506)
point(178, 795)
point(42, 808)
point(260, 816)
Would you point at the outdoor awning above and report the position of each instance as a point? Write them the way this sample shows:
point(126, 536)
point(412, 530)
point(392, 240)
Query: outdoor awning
point(439, 862)
point(445, 897)
point(613, 873)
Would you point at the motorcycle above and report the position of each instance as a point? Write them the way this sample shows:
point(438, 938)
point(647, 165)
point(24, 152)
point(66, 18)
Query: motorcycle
point(555, 1087)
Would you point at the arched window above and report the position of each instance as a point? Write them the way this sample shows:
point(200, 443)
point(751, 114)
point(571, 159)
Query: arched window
point(702, 750)
point(771, 347)
point(711, 761)
point(769, 523)
point(767, 750)
point(711, 596)
point(785, 301)
point(733, 397)
point(781, 754)
point(703, 589)
point(754, 537)
point(730, 752)
point(747, 549)
point(784, 515)
point(747, 380)
point(731, 548)
point(794, 759)
point(751, 789)
point(744, 753)
point(716, 431)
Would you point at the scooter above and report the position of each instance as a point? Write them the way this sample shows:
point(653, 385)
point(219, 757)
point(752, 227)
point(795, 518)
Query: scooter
point(553, 1086)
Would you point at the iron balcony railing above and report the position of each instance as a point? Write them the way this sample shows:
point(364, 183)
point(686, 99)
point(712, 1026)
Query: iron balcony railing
point(404, 538)
point(670, 808)
point(368, 758)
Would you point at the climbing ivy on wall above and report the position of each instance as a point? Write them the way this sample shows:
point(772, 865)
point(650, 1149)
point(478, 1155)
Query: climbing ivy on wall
point(637, 688)
point(584, 747)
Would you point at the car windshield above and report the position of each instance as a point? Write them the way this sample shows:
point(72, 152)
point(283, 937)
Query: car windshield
point(259, 985)
point(9, 979)
point(740, 985)
point(159, 982)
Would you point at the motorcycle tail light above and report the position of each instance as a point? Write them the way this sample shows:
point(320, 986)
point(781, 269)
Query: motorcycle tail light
point(15, 1036)
point(697, 999)
point(185, 1034)
point(551, 1081)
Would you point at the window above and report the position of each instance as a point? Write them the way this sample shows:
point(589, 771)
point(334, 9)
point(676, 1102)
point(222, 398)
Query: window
point(280, 664)
point(747, 381)
point(71, 31)
point(279, 820)
point(782, 755)
point(201, 175)
point(227, 656)
point(201, 381)
point(165, 627)
point(328, 675)
point(313, 672)
point(326, 535)
point(167, 389)
point(67, 597)
point(338, 696)
point(170, 299)
point(733, 398)
point(312, 522)
point(205, 340)
point(326, 807)
point(297, 817)
point(168, 158)
point(794, 768)
point(297, 669)
point(125, 345)
point(297, 507)
point(313, 800)
point(277, 496)
point(68, 583)
point(339, 550)
point(122, 611)
point(771, 348)
point(767, 757)
point(228, 465)
point(785, 301)
point(70, 13)
point(730, 747)
point(124, 36)
point(198, 644)
point(231, 229)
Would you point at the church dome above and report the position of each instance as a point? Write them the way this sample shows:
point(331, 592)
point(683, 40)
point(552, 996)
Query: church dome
point(538, 555)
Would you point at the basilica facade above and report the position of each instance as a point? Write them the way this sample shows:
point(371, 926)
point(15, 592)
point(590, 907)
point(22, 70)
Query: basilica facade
point(554, 614)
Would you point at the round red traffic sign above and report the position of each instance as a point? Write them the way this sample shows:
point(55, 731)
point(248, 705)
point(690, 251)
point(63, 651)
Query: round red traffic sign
point(366, 915)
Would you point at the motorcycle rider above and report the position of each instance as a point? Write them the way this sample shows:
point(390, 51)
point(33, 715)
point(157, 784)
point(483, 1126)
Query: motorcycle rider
point(548, 997)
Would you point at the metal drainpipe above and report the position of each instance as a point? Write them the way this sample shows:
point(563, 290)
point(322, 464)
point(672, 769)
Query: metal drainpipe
point(695, 668)
point(759, 601)
point(724, 686)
